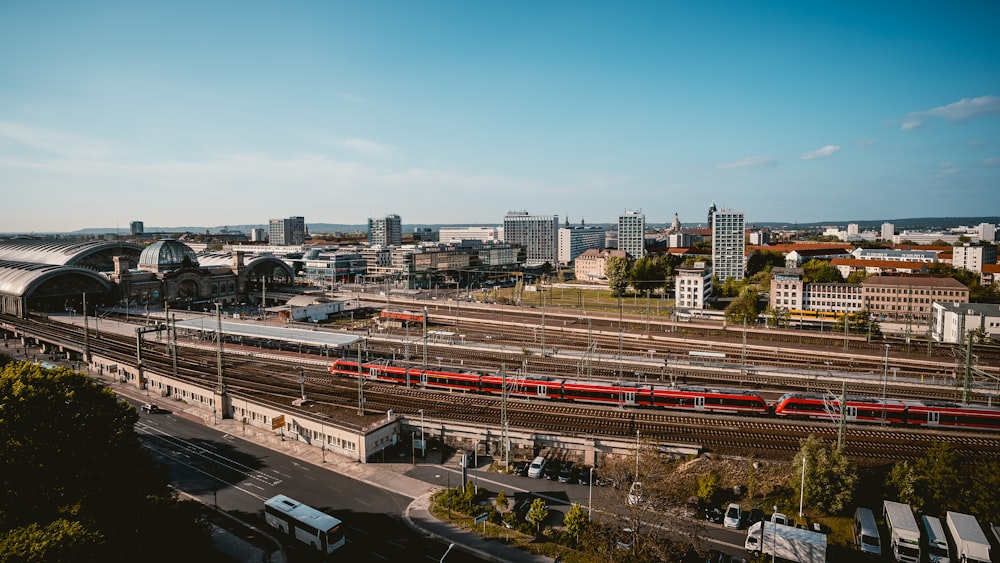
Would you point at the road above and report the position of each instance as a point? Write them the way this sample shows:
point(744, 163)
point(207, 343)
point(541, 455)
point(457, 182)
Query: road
point(238, 476)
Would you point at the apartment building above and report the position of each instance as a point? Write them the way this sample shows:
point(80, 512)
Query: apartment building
point(693, 286)
point(590, 266)
point(385, 231)
point(951, 322)
point(632, 234)
point(909, 297)
point(973, 257)
point(287, 232)
point(728, 244)
point(574, 241)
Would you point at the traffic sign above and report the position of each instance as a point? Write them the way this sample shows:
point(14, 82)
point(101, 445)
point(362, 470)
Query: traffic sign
point(277, 422)
point(481, 518)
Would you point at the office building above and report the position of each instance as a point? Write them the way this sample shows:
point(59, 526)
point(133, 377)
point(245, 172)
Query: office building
point(385, 231)
point(888, 231)
point(135, 228)
point(728, 244)
point(574, 241)
point(538, 234)
point(632, 234)
point(287, 232)
point(693, 286)
point(973, 257)
point(482, 234)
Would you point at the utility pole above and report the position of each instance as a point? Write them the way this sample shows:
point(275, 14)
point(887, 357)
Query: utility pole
point(361, 384)
point(842, 426)
point(885, 381)
point(173, 344)
point(966, 387)
point(86, 332)
point(425, 338)
point(221, 387)
point(504, 424)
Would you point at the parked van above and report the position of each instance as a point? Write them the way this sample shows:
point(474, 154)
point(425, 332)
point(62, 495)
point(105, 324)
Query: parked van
point(866, 532)
point(935, 540)
point(537, 467)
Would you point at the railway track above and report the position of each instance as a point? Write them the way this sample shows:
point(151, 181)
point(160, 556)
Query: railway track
point(276, 380)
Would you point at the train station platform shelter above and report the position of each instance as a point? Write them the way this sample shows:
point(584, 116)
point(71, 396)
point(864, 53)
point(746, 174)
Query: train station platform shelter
point(318, 338)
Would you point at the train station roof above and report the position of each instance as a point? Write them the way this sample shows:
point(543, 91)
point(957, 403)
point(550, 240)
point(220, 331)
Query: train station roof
point(19, 279)
point(66, 253)
point(271, 332)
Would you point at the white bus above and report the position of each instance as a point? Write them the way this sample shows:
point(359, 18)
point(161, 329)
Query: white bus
point(306, 524)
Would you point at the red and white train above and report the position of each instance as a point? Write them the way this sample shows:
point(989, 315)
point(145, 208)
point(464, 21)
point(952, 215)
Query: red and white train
point(815, 406)
point(933, 414)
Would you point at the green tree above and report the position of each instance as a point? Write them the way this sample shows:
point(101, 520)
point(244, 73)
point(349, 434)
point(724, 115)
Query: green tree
point(647, 275)
point(708, 487)
point(983, 502)
point(744, 308)
point(902, 483)
point(820, 271)
point(857, 276)
point(616, 269)
point(938, 478)
point(830, 477)
point(576, 521)
point(760, 260)
point(776, 317)
point(61, 541)
point(72, 467)
point(502, 502)
point(537, 513)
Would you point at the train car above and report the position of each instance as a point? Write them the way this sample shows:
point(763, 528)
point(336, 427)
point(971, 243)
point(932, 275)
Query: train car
point(943, 414)
point(725, 401)
point(525, 387)
point(402, 316)
point(451, 380)
point(376, 371)
point(617, 393)
point(825, 407)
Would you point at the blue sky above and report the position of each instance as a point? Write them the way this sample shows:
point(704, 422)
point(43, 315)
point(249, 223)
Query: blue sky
point(221, 113)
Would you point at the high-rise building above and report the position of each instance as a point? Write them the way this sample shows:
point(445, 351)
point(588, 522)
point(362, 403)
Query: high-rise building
point(385, 231)
point(287, 232)
point(632, 234)
point(973, 257)
point(574, 241)
point(888, 230)
point(711, 211)
point(987, 232)
point(538, 234)
point(136, 228)
point(728, 244)
point(258, 234)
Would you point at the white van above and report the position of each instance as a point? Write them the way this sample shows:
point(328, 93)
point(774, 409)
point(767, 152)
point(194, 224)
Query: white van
point(866, 532)
point(536, 467)
point(937, 543)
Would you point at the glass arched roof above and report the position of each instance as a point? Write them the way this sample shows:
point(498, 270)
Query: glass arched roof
point(167, 254)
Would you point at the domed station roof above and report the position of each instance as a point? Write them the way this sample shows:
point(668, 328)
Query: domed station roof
point(168, 254)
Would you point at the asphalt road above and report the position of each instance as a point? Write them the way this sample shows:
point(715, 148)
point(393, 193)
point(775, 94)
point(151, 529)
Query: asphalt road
point(238, 476)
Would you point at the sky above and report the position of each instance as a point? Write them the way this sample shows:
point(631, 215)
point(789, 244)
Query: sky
point(194, 113)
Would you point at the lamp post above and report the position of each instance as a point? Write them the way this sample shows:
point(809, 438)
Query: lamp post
point(885, 381)
point(802, 487)
point(774, 533)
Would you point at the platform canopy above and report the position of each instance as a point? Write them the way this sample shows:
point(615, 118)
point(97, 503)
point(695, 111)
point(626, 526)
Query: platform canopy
point(267, 332)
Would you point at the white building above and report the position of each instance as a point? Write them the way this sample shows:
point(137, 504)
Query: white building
point(888, 231)
point(987, 232)
point(974, 257)
point(385, 231)
point(574, 241)
point(950, 321)
point(892, 255)
point(258, 234)
point(728, 244)
point(787, 289)
point(632, 234)
point(482, 234)
point(538, 234)
point(591, 265)
point(693, 286)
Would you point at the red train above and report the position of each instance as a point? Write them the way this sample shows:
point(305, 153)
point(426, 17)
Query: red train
point(726, 401)
point(934, 414)
point(407, 316)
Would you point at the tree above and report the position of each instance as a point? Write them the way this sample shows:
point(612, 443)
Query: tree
point(760, 260)
point(903, 483)
point(576, 521)
point(983, 501)
point(72, 470)
point(820, 271)
point(647, 275)
point(938, 478)
point(708, 487)
point(616, 270)
point(830, 477)
point(502, 502)
point(744, 308)
point(857, 276)
point(537, 513)
point(776, 316)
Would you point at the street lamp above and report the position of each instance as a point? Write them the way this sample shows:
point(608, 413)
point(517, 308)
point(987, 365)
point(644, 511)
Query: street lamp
point(447, 552)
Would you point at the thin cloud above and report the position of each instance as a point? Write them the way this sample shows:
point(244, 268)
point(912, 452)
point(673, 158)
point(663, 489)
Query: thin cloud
point(748, 162)
point(824, 152)
point(992, 161)
point(961, 111)
point(367, 148)
point(53, 142)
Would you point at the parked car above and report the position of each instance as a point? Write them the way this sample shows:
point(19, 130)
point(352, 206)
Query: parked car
point(715, 515)
point(568, 473)
point(755, 515)
point(521, 509)
point(536, 468)
point(734, 516)
point(150, 408)
point(551, 471)
point(779, 518)
point(583, 474)
point(521, 468)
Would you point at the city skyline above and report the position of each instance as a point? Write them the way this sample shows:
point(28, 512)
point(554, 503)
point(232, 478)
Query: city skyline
point(456, 113)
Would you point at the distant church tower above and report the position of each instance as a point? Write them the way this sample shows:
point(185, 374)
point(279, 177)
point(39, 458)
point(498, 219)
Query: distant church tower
point(675, 227)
